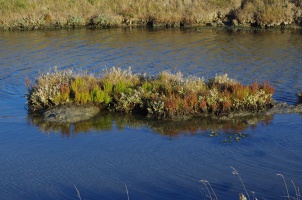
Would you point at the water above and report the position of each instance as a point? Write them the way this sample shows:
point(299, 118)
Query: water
point(154, 159)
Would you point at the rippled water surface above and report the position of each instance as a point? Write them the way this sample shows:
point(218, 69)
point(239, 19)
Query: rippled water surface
point(112, 154)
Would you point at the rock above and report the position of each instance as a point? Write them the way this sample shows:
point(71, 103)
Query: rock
point(251, 122)
point(70, 113)
point(235, 22)
point(284, 108)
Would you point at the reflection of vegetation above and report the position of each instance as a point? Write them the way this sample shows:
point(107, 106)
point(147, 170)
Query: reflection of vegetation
point(228, 130)
point(165, 96)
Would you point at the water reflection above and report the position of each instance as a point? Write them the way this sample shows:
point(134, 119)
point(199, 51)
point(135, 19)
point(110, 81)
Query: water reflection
point(228, 130)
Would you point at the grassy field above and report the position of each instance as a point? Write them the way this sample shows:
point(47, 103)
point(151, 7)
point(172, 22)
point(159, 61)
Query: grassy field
point(50, 14)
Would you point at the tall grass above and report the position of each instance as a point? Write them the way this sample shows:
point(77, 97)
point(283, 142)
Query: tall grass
point(35, 14)
point(267, 11)
point(164, 96)
point(67, 13)
point(212, 195)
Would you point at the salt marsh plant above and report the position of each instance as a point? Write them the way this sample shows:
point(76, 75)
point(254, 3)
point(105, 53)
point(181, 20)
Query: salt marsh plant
point(165, 95)
point(49, 89)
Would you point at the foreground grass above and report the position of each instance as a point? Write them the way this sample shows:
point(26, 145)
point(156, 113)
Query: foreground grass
point(164, 96)
point(247, 195)
point(34, 14)
point(251, 195)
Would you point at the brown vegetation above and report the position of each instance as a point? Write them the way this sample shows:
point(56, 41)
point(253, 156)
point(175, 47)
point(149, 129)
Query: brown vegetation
point(33, 14)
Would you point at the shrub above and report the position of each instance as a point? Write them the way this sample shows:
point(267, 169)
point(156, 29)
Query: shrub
point(49, 89)
point(80, 90)
point(97, 95)
point(129, 102)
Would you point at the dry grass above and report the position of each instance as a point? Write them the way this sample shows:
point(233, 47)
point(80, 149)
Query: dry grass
point(267, 11)
point(210, 193)
point(38, 14)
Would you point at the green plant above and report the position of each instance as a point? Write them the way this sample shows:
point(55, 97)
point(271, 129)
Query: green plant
point(80, 90)
point(120, 87)
point(107, 87)
point(147, 86)
point(97, 96)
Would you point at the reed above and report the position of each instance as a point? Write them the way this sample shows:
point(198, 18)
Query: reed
point(212, 195)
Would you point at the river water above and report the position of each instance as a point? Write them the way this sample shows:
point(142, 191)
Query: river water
point(113, 155)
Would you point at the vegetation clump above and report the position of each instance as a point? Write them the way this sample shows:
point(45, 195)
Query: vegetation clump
point(164, 96)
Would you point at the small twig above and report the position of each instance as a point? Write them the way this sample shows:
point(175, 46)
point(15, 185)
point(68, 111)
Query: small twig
point(127, 192)
point(237, 173)
point(78, 193)
point(285, 185)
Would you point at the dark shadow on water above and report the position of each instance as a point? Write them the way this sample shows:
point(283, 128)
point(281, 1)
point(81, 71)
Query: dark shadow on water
point(228, 130)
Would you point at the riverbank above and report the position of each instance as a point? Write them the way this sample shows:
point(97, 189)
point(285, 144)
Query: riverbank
point(54, 14)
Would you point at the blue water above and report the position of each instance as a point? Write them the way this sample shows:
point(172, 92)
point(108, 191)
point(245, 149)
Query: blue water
point(108, 156)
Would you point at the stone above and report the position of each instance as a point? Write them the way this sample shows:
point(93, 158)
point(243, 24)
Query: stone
point(284, 108)
point(235, 22)
point(70, 113)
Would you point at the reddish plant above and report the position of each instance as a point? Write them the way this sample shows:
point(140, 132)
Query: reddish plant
point(203, 105)
point(269, 89)
point(226, 105)
point(240, 91)
point(254, 88)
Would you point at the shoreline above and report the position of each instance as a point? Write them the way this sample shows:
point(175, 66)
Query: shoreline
point(70, 113)
point(25, 25)
point(54, 14)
